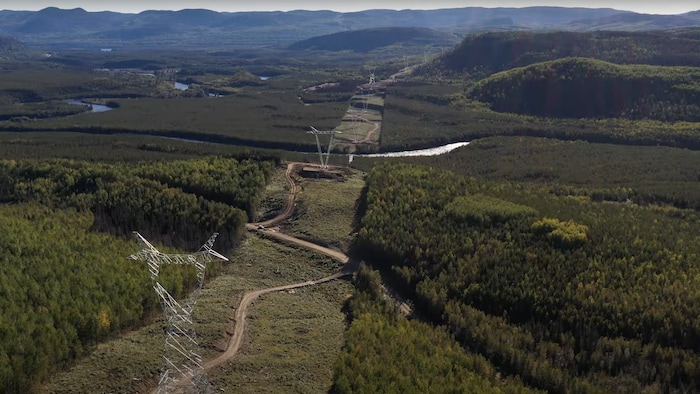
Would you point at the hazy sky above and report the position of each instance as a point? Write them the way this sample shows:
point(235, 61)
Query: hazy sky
point(135, 6)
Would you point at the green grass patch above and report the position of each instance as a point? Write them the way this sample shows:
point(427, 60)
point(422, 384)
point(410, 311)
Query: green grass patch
point(326, 209)
point(275, 196)
point(131, 362)
point(293, 340)
point(274, 118)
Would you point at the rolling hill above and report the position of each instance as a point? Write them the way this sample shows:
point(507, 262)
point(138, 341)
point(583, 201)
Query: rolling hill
point(497, 51)
point(636, 22)
point(54, 28)
point(588, 88)
point(370, 39)
point(11, 48)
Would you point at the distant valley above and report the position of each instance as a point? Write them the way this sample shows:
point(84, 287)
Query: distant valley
point(54, 28)
point(553, 250)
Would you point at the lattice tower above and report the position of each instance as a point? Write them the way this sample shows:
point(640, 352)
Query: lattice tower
point(323, 156)
point(182, 360)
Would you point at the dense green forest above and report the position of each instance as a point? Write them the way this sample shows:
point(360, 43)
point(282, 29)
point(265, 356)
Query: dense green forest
point(65, 282)
point(11, 48)
point(268, 114)
point(602, 172)
point(555, 253)
point(115, 148)
point(367, 40)
point(189, 198)
point(425, 114)
point(588, 88)
point(486, 53)
point(387, 353)
point(571, 86)
point(566, 293)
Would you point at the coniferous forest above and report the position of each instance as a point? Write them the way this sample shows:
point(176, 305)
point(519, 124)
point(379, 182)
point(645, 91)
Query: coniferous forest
point(565, 293)
point(66, 283)
point(557, 252)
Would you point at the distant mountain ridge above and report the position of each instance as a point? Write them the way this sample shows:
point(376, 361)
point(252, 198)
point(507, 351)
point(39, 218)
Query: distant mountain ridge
point(370, 39)
point(492, 52)
point(197, 28)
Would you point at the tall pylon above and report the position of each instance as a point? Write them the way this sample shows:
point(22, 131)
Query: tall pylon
point(183, 363)
point(316, 133)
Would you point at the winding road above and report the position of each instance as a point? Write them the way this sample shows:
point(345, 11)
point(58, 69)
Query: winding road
point(242, 311)
point(368, 136)
point(239, 322)
point(289, 207)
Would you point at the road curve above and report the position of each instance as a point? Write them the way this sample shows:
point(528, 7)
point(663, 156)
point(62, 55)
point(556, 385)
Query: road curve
point(339, 256)
point(368, 136)
point(250, 296)
point(289, 207)
point(239, 322)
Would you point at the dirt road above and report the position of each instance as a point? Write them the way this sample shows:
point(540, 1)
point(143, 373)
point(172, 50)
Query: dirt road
point(239, 322)
point(289, 207)
point(368, 136)
point(250, 296)
point(242, 311)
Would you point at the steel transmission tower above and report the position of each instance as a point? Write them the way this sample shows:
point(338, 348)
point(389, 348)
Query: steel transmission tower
point(324, 160)
point(183, 363)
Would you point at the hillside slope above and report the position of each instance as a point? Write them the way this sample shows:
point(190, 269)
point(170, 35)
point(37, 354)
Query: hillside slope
point(198, 28)
point(370, 39)
point(493, 52)
point(588, 88)
point(11, 48)
point(636, 22)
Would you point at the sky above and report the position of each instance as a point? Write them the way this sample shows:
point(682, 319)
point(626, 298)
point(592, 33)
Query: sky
point(135, 6)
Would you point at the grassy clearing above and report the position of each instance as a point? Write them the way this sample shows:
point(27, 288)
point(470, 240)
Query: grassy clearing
point(125, 365)
point(359, 120)
point(130, 363)
point(276, 193)
point(352, 130)
point(326, 210)
point(294, 339)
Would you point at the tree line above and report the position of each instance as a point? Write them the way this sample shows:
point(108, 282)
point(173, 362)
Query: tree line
point(65, 283)
point(385, 352)
point(589, 88)
point(483, 54)
point(567, 294)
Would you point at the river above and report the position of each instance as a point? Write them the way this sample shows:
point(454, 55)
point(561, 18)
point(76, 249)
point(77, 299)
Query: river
point(94, 107)
point(438, 150)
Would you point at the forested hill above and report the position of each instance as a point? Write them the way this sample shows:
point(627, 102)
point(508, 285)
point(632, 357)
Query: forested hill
point(589, 88)
point(197, 28)
point(64, 282)
point(637, 22)
point(370, 39)
point(568, 295)
point(493, 52)
point(11, 48)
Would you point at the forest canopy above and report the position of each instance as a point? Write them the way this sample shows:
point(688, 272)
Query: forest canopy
point(487, 53)
point(588, 88)
point(65, 283)
point(569, 294)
